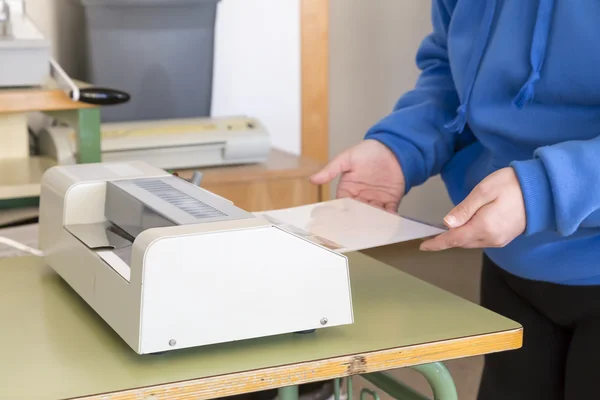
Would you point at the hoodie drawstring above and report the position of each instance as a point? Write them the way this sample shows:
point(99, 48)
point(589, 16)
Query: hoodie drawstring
point(538, 52)
point(537, 56)
point(458, 124)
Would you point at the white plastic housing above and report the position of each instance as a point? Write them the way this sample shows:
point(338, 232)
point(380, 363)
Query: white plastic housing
point(190, 285)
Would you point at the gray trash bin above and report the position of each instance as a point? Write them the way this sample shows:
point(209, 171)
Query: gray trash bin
point(159, 51)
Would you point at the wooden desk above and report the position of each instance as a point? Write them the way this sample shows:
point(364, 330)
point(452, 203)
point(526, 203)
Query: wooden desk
point(55, 347)
point(20, 176)
point(47, 98)
point(280, 182)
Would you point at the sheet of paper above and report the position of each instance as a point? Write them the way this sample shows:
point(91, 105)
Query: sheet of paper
point(26, 234)
point(342, 225)
point(346, 225)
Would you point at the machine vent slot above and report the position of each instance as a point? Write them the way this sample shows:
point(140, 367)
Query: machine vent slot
point(175, 197)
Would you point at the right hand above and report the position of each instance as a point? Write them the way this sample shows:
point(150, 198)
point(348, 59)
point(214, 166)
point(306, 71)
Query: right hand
point(370, 173)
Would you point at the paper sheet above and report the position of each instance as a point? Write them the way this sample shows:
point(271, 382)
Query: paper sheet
point(346, 225)
point(26, 234)
point(342, 225)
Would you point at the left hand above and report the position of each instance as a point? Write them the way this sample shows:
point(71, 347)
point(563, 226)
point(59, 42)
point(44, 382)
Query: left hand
point(491, 216)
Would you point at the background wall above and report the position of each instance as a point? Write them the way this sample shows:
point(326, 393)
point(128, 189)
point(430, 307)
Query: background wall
point(257, 65)
point(62, 22)
point(257, 58)
point(373, 47)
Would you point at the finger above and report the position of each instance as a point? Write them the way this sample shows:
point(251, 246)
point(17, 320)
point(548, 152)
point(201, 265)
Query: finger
point(335, 167)
point(359, 198)
point(391, 207)
point(464, 237)
point(461, 214)
point(480, 232)
point(376, 204)
point(341, 192)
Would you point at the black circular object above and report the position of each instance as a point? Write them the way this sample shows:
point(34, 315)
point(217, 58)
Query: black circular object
point(103, 96)
point(308, 332)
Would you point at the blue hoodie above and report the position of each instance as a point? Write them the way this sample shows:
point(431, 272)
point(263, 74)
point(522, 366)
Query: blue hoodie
point(512, 83)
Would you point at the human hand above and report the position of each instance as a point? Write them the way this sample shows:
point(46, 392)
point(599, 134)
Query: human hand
point(369, 173)
point(491, 216)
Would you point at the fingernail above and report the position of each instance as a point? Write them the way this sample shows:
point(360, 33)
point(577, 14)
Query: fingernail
point(450, 220)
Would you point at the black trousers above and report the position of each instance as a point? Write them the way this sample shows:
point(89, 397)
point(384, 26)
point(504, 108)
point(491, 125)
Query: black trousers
point(560, 357)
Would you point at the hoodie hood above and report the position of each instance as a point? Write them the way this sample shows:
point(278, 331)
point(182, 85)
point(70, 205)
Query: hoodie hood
point(539, 43)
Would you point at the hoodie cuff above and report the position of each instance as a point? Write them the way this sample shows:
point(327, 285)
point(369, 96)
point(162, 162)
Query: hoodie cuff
point(537, 193)
point(407, 154)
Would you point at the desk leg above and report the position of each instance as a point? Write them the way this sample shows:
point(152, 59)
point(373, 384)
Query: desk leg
point(86, 122)
point(439, 379)
point(337, 389)
point(389, 385)
point(88, 136)
point(437, 375)
point(288, 393)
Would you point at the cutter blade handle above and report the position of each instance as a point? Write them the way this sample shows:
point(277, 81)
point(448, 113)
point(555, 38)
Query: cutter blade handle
point(102, 96)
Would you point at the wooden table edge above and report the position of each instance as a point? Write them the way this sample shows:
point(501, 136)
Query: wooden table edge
point(42, 100)
point(322, 370)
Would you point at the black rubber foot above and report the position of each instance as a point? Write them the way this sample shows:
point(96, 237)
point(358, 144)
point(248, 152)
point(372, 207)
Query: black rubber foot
point(306, 332)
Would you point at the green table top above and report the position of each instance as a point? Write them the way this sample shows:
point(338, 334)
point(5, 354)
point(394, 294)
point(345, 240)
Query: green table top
point(56, 347)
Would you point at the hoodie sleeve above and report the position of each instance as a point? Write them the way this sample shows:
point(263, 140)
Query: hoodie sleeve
point(414, 131)
point(561, 187)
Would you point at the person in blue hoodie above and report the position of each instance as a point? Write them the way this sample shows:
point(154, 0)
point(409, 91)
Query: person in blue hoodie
point(507, 110)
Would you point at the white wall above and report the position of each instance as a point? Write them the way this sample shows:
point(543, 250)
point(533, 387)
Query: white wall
point(373, 49)
point(257, 60)
point(62, 22)
point(257, 66)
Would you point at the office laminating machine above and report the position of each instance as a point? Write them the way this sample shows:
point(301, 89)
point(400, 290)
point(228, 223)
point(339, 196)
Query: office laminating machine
point(169, 144)
point(169, 265)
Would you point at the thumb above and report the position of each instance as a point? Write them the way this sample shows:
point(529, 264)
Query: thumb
point(462, 213)
point(337, 166)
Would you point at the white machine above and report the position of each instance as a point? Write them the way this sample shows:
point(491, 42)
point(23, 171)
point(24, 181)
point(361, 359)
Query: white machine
point(169, 144)
point(169, 265)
